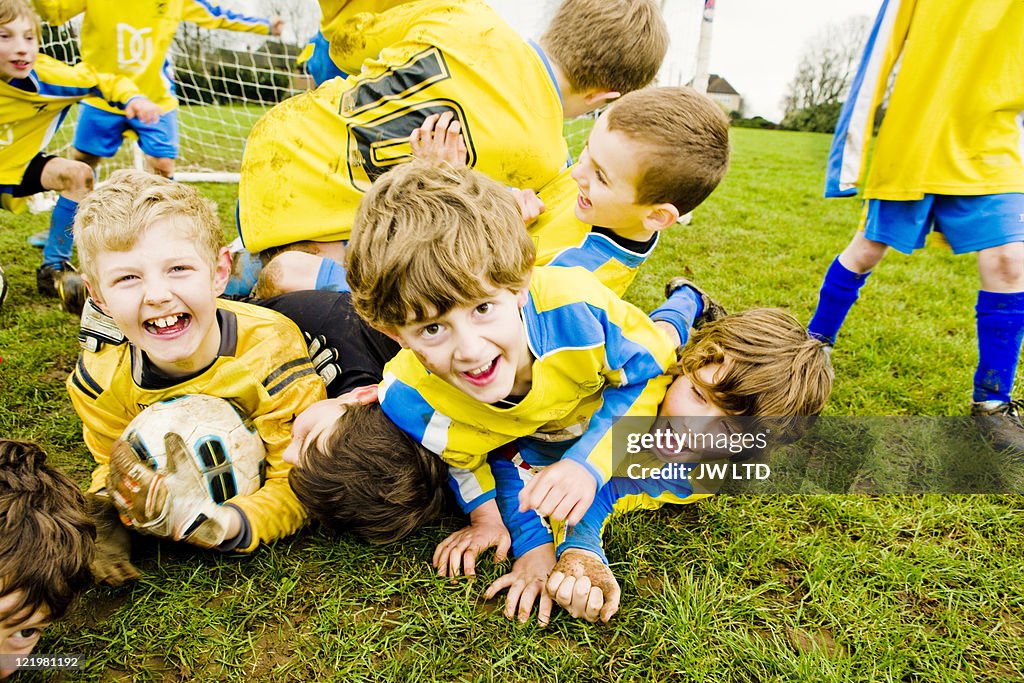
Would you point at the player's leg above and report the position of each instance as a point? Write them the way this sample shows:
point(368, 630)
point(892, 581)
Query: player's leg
point(159, 142)
point(992, 226)
point(56, 277)
point(296, 271)
point(98, 134)
point(884, 224)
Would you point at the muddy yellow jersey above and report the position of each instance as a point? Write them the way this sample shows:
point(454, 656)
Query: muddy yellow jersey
point(308, 161)
point(132, 38)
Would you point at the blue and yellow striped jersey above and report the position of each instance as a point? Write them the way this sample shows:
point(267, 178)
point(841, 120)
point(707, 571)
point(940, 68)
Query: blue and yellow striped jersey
point(954, 122)
point(32, 108)
point(596, 358)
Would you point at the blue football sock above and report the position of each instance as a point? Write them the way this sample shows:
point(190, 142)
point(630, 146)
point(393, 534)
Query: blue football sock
point(680, 310)
point(331, 277)
point(1000, 331)
point(61, 239)
point(839, 292)
point(245, 271)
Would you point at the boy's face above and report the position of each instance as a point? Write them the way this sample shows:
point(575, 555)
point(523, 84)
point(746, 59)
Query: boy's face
point(479, 348)
point(686, 408)
point(162, 294)
point(19, 632)
point(607, 175)
point(19, 47)
point(684, 399)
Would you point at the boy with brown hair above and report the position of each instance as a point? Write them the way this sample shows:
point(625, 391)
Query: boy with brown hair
point(355, 470)
point(152, 259)
point(494, 349)
point(36, 92)
point(756, 370)
point(46, 544)
point(653, 156)
point(413, 60)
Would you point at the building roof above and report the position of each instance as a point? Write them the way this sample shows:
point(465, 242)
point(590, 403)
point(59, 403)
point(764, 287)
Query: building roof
point(720, 86)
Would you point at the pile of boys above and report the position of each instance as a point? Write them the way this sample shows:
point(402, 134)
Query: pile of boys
point(474, 334)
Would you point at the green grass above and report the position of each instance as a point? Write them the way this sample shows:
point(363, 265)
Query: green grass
point(737, 588)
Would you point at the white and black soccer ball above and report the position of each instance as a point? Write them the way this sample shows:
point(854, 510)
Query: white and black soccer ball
point(225, 447)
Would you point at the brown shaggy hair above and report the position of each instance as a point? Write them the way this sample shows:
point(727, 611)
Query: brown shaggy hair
point(429, 238)
point(770, 369)
point(370, 478)
point(46, 537)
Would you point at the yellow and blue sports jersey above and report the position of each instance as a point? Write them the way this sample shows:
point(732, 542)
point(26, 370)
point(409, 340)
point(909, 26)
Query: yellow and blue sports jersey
point(618, 496)
point(953, 124)
point(596, 358)
point(564, 240)
point(132, 38)
point(308, 161)
point(32, 108)
point(262, 367)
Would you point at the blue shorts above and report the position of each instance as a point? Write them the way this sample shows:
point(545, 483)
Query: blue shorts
point(968, 223)
point(100, 132)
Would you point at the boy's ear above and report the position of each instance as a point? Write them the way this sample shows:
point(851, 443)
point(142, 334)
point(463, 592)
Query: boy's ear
point(222, 271)
point(523, 295)
point(598, 98)
point(392, 334)
point(94, 292)
point(661, 216)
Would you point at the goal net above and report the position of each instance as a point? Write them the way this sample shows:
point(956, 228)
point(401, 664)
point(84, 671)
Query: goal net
point(224, 81)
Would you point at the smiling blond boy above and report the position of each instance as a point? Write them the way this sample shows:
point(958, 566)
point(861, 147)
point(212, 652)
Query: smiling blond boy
point(153, 261)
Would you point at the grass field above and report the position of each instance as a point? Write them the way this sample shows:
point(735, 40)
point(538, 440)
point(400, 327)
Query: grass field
point(737, 588)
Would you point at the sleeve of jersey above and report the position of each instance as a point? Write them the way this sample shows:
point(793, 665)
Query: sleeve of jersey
point(115, 89)
point(100, 427)
point(469, 476)
point(636, 355)
point(274, 512)
point(620, 495)
point(209, 15)
point(528, 529)
point(58, 11)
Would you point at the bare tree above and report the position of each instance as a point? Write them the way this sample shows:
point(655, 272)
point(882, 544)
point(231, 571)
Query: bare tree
point(826, 68)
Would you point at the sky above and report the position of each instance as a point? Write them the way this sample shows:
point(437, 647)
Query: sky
point(755, 44)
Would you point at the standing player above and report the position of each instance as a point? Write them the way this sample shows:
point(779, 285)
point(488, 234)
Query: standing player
point(132, 39)
point(948, 156)
point(36, 92)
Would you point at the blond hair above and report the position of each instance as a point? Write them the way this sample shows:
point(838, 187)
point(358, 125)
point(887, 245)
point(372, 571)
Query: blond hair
point(115, 214)
point(770, 368)
point(607, 45)
point(428, 238)
point(684, 138)
point(12, 10)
